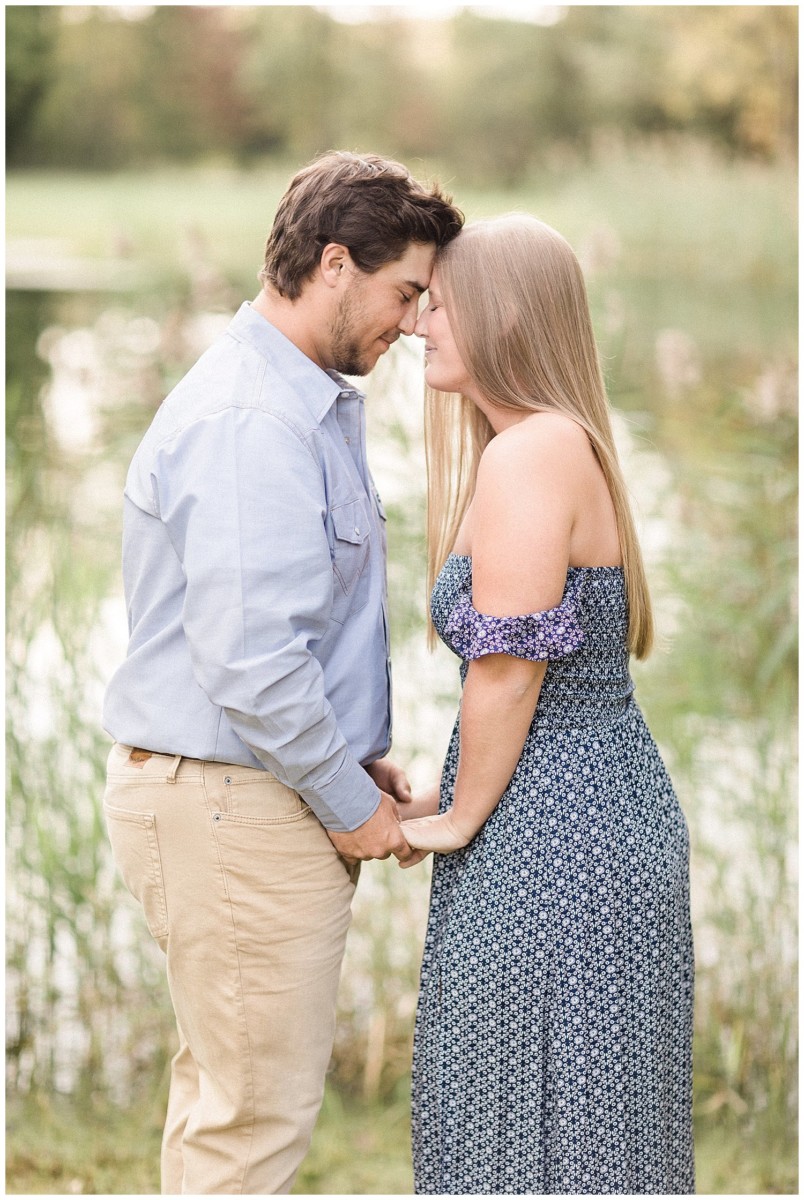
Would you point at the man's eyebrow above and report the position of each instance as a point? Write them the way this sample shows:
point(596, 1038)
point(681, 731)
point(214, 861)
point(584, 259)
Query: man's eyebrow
point(417, 287)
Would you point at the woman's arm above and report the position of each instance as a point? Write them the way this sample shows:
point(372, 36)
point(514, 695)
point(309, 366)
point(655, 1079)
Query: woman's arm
point(519, 566)
point(499, 699)
point(423, 805)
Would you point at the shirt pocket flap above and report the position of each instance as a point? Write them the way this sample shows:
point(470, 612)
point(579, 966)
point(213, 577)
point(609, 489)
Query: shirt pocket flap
point(351, 522)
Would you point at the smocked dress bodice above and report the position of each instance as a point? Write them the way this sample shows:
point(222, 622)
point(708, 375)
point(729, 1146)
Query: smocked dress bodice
point(583, 639)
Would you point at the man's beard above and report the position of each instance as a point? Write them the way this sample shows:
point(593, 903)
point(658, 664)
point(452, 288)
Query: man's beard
point(347, 356)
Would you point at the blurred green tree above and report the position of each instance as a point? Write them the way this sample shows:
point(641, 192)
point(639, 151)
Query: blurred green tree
point(123, 91)
point(106, 87)
point(725, 72)
point(31, 34)
point(292, 73)
point(515, 91)
point(187, 84)
point(733, 73)
point(388, 102)
point(89, 116)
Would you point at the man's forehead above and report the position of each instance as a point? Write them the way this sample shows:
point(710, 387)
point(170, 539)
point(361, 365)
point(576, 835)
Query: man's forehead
point(414, 268)
point(408, 276)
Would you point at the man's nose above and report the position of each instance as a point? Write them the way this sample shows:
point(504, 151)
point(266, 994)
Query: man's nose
point(409, 322)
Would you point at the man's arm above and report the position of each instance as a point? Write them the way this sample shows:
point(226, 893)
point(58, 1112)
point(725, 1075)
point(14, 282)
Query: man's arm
point(243, 500)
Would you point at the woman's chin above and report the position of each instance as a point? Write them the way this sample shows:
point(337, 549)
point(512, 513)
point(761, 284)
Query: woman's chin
point(436, 381)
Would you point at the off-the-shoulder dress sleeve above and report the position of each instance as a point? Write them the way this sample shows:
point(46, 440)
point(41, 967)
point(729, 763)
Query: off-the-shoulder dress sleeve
point(553, 633)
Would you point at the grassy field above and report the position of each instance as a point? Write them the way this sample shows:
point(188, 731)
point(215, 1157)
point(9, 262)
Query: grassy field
point(656, 217)
point(358, 1149)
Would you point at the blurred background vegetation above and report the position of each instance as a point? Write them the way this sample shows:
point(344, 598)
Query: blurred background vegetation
point(148, 147)
point(136, 86)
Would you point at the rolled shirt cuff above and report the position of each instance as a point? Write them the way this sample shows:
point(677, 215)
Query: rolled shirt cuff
point(347, 800)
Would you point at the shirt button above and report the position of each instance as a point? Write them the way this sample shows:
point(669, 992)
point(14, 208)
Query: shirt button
point(357, 532)
point(348, 441)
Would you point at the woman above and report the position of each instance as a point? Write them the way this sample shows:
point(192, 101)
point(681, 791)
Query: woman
point(554, 1029)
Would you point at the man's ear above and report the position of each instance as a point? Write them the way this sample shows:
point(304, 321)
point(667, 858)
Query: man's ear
point(336, 264)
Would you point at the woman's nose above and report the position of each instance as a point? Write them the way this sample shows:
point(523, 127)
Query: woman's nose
point(420, 328)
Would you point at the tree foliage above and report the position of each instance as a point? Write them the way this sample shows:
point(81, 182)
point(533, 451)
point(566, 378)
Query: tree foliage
point(486, 95)
point(30, 45)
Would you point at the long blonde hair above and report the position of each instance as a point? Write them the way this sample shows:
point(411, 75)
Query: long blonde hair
point(519, 313)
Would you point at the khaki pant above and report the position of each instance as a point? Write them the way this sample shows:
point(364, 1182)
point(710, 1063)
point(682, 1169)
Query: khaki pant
point(248, 898)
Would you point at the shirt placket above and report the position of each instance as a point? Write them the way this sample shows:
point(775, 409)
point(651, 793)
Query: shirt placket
point(350, 415)
point(347, 412)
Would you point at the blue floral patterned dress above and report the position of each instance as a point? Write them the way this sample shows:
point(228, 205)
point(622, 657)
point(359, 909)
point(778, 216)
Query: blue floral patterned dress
point(553, 1049)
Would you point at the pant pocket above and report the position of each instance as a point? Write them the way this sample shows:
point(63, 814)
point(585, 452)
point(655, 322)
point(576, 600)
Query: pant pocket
point(136, 854)
point(256, 796)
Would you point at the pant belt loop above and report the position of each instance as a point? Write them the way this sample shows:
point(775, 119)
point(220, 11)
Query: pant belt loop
point(172, 772)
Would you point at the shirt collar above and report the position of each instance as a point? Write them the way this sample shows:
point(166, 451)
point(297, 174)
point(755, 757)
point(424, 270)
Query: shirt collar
point(316, 388)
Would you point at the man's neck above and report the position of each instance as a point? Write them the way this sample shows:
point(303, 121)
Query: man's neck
point(296, 320)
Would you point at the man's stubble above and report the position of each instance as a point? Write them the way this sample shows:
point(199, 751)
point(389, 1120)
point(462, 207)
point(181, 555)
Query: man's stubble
point(351, 317)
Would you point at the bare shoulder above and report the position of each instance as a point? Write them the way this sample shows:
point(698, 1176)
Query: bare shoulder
point(526, 503)
point(549, 441)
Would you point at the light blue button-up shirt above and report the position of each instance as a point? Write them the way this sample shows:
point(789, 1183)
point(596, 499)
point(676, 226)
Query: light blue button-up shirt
point(254, 573)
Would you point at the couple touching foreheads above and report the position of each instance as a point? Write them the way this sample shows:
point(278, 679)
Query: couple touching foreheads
point(252, 715)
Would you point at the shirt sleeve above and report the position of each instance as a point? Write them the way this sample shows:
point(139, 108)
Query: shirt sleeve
point(242, 498)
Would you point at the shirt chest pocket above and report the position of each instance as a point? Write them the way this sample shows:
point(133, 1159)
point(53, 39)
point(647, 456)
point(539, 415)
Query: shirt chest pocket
point(351, 546)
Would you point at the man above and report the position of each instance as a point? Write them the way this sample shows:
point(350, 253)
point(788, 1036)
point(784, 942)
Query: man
point(251, 717)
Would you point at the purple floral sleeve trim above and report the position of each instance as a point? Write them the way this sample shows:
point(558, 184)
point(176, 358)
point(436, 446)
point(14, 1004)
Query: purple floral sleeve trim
point(537, 636)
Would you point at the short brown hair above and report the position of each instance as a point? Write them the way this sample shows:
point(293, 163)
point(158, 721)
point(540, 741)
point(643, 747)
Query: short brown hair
point(369, 204)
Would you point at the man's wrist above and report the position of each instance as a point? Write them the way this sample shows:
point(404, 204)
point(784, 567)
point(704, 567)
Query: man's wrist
point(351, 798)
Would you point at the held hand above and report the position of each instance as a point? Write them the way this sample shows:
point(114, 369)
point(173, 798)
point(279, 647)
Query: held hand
point(423, 805)
point(391, 779)
point(440, 834)
point(378, 837)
